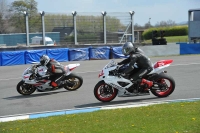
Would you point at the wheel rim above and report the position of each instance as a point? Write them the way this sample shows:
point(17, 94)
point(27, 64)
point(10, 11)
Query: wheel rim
point(165, 86)
point(26, 88)
point(76, 82)
point(106, 92)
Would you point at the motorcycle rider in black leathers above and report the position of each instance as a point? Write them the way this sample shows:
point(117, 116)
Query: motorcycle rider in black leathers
point(144, 64)
point(55, 70)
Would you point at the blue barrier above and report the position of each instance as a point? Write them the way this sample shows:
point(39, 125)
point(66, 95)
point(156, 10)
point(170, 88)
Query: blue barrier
point(32, 56)
point(117, 52)
point(78, 54)
point(9, 58)
point(99, 53)
point(58, 54)
point(193, 48)
point(0, 59)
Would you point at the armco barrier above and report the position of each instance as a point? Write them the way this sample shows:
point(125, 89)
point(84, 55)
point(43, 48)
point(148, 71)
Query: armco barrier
point(10, 58)
point(99, 53)
point(60, 55)
point(34, 55)
point(78, 54)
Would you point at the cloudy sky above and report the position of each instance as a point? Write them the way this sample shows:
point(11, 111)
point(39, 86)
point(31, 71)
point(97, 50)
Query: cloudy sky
point(157, 10)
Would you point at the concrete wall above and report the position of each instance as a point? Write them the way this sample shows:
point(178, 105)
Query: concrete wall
point(162, 50)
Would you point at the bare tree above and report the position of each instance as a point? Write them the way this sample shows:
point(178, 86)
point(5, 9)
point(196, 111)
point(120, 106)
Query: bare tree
point(147, 25)
point(4, 23)
point(138, 27)
point(171, 22)
point(165, 23)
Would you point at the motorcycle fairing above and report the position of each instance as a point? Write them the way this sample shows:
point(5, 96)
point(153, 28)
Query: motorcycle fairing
point(114, 81)
point(160, 65)
point(70, 67)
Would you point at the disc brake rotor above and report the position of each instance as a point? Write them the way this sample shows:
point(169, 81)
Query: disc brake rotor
point(105, 91)
point(75, 82)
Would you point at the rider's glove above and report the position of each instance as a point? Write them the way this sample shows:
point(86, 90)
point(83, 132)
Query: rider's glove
point(119, 63)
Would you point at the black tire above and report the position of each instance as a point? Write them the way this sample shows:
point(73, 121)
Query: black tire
point(104, 92)
point(164, 86)
point(76, 80)
point(25, 89)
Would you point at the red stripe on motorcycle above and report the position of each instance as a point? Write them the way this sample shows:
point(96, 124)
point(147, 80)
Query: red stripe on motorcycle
point(101, 74)
point(72, 68)
point(26, 77)
point(162, 63)
point(53, 68)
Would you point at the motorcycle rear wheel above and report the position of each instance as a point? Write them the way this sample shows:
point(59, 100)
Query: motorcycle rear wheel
point(75, 80)
point(104, 92)
point(25, 89)
point(164, 87)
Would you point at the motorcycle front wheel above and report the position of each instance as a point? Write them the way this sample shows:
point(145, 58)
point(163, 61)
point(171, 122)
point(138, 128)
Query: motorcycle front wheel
point(104, 92)
point(73, 82)
point(25, 89)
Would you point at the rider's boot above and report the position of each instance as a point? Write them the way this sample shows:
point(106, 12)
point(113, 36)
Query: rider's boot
point(54, 84)
point(58, 84)
point(147, 83)
point(59, 81)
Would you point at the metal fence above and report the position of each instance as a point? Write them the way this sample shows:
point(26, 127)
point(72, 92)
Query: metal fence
point(80, 28)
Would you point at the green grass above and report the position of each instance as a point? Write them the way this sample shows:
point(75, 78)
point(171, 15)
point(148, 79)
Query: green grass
point(164, 118)
point(172, 39)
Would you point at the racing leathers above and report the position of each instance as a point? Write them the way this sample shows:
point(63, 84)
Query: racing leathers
point(55, 72)
point(143, 62)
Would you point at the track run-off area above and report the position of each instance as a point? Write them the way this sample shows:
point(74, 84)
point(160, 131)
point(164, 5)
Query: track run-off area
point(185, 70)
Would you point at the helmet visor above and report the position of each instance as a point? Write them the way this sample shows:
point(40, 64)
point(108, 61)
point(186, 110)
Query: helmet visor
point(125, 51)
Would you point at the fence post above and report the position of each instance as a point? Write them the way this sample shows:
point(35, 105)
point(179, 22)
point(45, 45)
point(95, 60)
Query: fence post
point(74, 21)
point(104, 25)
point(43, 27)
point(27, 28)
point(189, 19)
point(132, 26)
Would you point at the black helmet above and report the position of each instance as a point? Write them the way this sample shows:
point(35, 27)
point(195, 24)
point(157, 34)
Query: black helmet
point(128, 48)
point(44, 60)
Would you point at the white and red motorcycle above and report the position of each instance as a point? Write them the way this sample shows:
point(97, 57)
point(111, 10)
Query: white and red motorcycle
point(29, 82)
point(112, 84)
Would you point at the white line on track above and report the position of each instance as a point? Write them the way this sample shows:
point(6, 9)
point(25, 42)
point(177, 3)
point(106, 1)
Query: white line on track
point(185, 64)
point(100, 70)
point(9, 79)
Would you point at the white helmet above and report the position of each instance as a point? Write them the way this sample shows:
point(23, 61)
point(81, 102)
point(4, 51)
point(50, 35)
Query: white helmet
point(44, 60)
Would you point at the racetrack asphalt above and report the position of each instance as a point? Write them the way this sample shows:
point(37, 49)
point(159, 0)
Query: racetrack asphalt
point(185, 70)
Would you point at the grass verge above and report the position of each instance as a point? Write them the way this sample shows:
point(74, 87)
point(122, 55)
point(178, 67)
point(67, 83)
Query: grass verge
point(182, 117)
